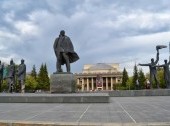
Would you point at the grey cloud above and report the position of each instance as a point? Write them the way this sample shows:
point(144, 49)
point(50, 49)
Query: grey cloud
point(101, 31)
point(148, 5)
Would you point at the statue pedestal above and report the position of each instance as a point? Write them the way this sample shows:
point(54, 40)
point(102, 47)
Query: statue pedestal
point(62, 83)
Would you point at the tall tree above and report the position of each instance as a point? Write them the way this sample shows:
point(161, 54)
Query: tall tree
point(129, 84)
point(124, 78)
point(33, 72)
point(160, 74)
point(40, 78)
point(46, 78)
point(31, 80)
point(43, 79)
point(141, 79)
point(135, 77)
point(30, 84)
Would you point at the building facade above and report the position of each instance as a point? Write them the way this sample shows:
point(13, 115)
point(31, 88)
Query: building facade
point(99, 76)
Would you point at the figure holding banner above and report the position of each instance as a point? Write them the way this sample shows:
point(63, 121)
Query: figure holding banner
point(1, 75)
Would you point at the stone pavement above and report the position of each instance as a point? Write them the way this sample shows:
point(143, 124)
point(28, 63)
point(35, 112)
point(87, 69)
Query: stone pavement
point(128, 111)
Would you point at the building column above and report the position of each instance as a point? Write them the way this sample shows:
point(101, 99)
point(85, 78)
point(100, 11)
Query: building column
point(87, 84)
point(82, 85)
point(92, 83)
point(102, 82)
point(111, 83)
point(107, 83)
point(116, 80)
point(78, 81)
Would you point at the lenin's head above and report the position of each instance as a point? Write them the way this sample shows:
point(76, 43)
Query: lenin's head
point(22, 61)
point(62, 33)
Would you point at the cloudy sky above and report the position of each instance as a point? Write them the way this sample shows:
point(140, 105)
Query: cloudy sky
point(102, 31)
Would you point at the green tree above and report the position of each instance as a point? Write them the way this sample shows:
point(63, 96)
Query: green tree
point(141, 79)
point(129, 85)
point(46, 78)
point(33, 72)
point(5, 85)
point(160, 75)
point(30, 84)
point(124, 78)
point(40, 77)
point(147, 75)
point(135, 77)
point(43, 79)
point(31, 81)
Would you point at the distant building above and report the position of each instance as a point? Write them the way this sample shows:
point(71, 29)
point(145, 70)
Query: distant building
point(99, 76)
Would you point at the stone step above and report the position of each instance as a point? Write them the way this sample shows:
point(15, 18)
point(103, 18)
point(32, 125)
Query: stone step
point(54, 98)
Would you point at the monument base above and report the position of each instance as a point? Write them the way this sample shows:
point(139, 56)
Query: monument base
point(62, 83)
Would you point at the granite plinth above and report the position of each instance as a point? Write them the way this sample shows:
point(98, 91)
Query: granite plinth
point(62, 83)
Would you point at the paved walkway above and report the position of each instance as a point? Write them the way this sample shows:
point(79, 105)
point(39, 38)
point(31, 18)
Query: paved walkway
point(120, 111)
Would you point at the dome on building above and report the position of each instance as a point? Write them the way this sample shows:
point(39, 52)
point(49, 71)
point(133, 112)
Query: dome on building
point(100, 66)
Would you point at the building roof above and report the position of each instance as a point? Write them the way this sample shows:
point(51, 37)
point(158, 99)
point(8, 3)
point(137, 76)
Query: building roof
point(100, 66)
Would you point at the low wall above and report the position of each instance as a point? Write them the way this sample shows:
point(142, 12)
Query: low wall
point(133, 93)
point(54, 98)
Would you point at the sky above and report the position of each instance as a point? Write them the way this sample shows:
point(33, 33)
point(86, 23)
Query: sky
point(102, 31)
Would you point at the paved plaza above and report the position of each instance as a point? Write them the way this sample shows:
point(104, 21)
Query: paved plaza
point(120, 111)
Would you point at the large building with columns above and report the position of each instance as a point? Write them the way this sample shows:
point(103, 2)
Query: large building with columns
point(100, 76)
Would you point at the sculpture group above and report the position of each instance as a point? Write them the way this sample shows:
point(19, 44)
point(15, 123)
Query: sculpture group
point(65, 54)
point(13, 75)
point(153, 69)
